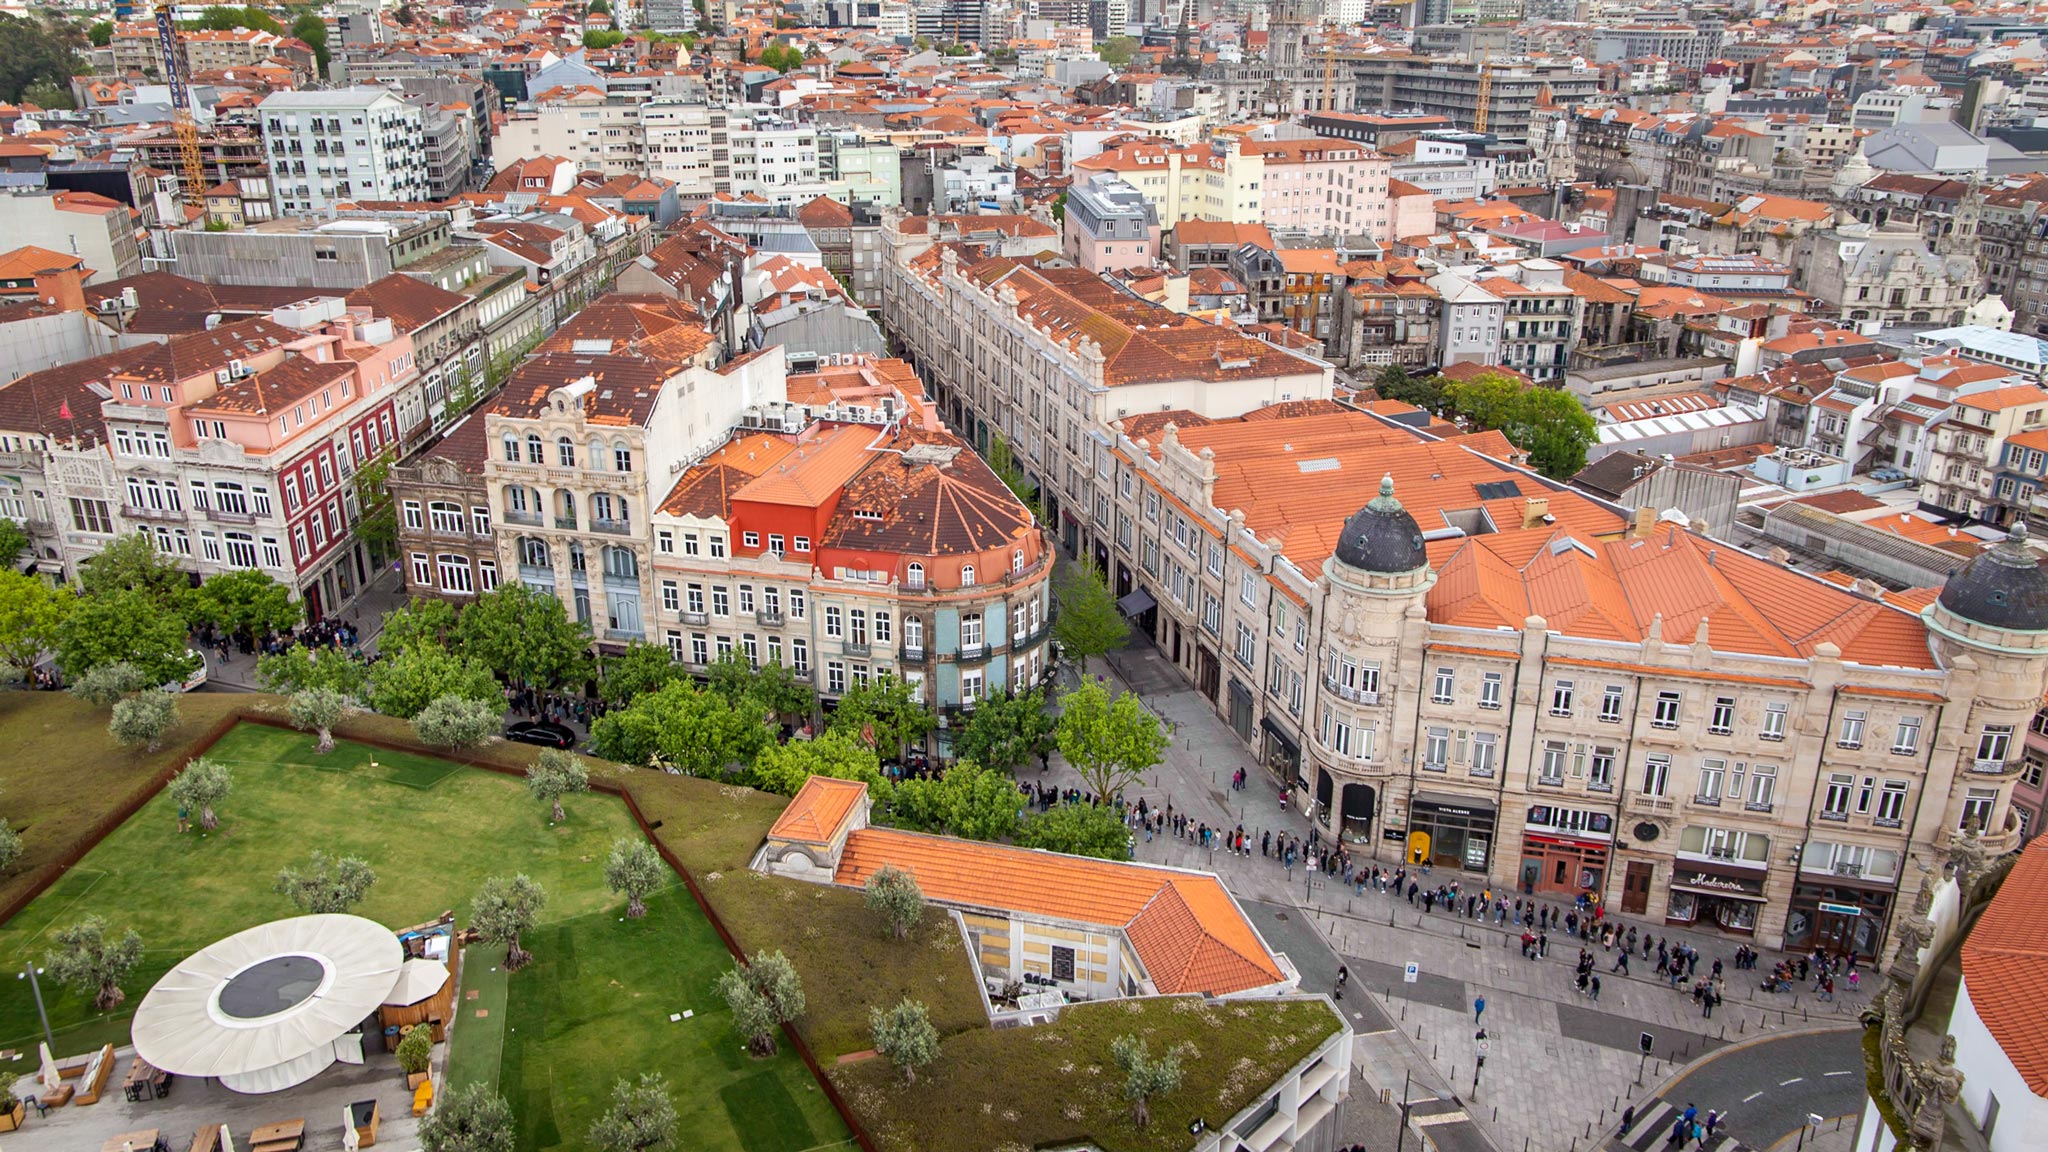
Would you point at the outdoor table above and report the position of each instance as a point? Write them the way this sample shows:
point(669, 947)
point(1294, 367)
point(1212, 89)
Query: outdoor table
point(288, 1136)
point(142, 1141)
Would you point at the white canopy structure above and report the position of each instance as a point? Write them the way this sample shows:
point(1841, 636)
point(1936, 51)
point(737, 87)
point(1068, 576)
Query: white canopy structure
point(272, 1006)
point(418, 980)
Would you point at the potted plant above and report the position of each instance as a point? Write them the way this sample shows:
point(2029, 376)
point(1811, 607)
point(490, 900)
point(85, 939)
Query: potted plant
point(416, 1053)
point(12, 1111)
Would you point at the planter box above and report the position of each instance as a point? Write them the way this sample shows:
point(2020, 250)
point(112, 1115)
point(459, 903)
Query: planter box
point(414, 1079)
point(11, 1121)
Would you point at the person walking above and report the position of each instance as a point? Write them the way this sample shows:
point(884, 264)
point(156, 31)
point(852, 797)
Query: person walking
point(1621, 962)
point(1594, 991)
point(1478, 1009)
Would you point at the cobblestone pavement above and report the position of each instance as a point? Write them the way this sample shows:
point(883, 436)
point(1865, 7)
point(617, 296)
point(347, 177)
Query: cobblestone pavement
point(1561, 1067)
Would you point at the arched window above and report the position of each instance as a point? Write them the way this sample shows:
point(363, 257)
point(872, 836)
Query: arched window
point(595, 462)
point(622, 563)
point(444, 516)
point(511, 448)
point(622, 457)
point(577, 561)
point(534, 553)
point(914, 575)
point(967, 575)
point(535, 453)
point(565, 507)
point(516, 503)
point(565, 452)
point(1017, 560)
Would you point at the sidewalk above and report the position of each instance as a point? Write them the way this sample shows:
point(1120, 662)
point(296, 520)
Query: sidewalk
point(384, 593)
point(1560, 1067)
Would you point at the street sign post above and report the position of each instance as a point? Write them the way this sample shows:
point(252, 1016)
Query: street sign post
point(1411, 972)
point(1644, 1041)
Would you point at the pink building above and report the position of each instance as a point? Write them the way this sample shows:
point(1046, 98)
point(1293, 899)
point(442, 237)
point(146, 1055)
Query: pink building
point(1110, 225)
point(1324, 186)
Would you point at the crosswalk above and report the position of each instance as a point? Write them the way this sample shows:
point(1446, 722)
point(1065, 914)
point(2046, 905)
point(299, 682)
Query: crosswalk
point(1651, 1132)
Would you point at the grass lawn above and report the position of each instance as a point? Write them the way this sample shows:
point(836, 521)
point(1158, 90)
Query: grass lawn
point(594, 1005)
point(432, 831)
point(1056, 1083)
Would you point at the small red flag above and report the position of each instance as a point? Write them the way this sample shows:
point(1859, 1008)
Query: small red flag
point(64, 409)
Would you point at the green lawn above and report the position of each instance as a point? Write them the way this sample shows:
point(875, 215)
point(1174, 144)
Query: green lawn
point(595, 1004)
point(432, 831)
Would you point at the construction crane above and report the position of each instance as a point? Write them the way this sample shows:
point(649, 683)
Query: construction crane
point(1329, 77)
point(1484, 103)
point(182, 123)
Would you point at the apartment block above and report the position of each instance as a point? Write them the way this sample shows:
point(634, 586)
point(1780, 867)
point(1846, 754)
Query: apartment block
point(329, 145)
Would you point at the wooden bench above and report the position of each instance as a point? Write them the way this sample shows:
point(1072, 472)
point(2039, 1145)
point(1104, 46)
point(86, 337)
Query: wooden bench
point(93, 1080)
point(288, 1136)
point(207, 1140)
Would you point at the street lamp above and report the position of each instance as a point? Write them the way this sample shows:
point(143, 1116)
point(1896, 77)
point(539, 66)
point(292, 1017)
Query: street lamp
point(29, 972)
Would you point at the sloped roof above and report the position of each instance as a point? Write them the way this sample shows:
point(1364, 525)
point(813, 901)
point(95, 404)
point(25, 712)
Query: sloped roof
point(927, 504)
point(820, 807)
point(2005, 966)
point(193, 353)
point(409, 303)
point(1184, 926)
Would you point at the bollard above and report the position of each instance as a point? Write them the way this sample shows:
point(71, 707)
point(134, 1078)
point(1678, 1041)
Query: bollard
point(1741, 1026)
point(1418, 1031)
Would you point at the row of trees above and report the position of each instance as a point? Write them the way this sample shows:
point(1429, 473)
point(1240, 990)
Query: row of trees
point(1548, 423)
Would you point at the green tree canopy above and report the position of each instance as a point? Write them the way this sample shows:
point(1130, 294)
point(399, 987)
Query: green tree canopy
point(783, 768)
point(781, 57)
point(1116, 51)
point(894, 895)
point(640, 669)
point(83, 957)
point(1089, 622)
point(1146, 1077)
point(41, 50)
point(403, 685)
point(1548, 423)
point(1111, 742)
point(642, 1116)
point(599, 39)
point(106, 685)
point(101, 33)
point(299, 668)
point(1007, 731)
point(763, 993)
point(223, 19)
point(13, 542)
point(694, 730)
point(326, 884)
point(459, 723)
point(31, 612)
point(968, 801)
point(10, 846)
point(1394, 383)
point(310, 28)
point(505, 907)
point(1078, 830)
point(555, 774)
point(144, 718)
point(417, 622)
point(204, 785)
point(471, 1118)
point(634, 869)
point(904, 1036)
point(773, 686)
point(524, 636)
point(133, 564)
point(884, 714)
point(317, 710)
point(124, 626)
point(245, 602)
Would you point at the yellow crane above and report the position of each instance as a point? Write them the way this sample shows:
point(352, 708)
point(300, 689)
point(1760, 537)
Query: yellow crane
point(1484, 103)
point(1329, 77)
point(182, 123)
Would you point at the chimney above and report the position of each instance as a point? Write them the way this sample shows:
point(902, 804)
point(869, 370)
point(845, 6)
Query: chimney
point(64, 287)
point(1640, 524)
point(1535, 511)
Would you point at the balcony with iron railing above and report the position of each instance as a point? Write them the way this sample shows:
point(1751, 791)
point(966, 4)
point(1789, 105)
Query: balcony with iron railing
point(566, 522)
point(1349, 692)
point(528, 519)
point(611, 527)
point(137, 512)
point(972, 652)
point(768, 618)
point(697, 618)
point(911, 653)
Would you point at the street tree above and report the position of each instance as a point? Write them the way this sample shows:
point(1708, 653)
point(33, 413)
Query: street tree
point(640, 669)
point(634, 870)
point(84, 957)
point(904, 1036)
point(201, 787)
point(893, 893)
point(783, 693)
point(1110, 742)
point(781, 57)
point(144, 718)
point(301, 667)
point(31, 611)
point(1116, 51)
point(107, 684)
point(311, 30)
point(968, 801)
point(459, 723)
point(318, 710)
point(13, 542)
point(246, 603)
point(472, 1118)
point(884, 714)
point(415, 623)
point(125, 626)
point(1146, 1077)
point(783, 768)
point(40, 51)
point(403, 685)
point(523, 635)
point(1078, 830)
point(326, 883)
point(504, 908)
point(131, 563)
point(553, 775)
point(763, 993)
point(1007, 731)
point(642, 1116)
point(1089, 622)
point(685, 727)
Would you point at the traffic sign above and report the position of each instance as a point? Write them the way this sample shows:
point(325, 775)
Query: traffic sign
point(1411, 972)
point(1483, 1046)
point(1645, 1042)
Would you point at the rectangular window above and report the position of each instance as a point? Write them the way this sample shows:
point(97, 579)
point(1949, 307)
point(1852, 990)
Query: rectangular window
point(1551, 770)
point(1436, 749)
point(671, 598)
point(689, 544)
point(1489, 690)
point(1851, 734)
point(721, 601)
point(700, 649)
point(1656, 775)
point(1667, 710)
point(1906, 740)
point(746, 598)
point(1763, 787)
point(835, 677)
point(1891, 803)
point(1600, 774)
point(422, 572)
point(1723, 720)
point(1713, 774)
point(1561, 698)
point(1485, 749)
point(835, 622)
point(799, 655)
point(665, 542)
point(1994, 746)
point(1774, 722)
point(1834, 803)
point(1978, 804)
point(1441, 693)
point(1610, 704)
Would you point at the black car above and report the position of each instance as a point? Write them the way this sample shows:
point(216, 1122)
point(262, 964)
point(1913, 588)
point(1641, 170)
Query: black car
point(542, 732)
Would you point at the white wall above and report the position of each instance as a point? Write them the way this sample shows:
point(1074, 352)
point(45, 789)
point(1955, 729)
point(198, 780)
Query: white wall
point(1987, 1072)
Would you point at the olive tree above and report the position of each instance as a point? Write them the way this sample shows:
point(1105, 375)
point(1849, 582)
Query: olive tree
point(318, 710)
point(555, 774)
point(904, 1036)
point(634, 869)
point(85, 958)
point(458, 723)
point(143, 719)
point(471, 1118)
point(203, 785)
point(326, 884)
point(642, 1116)
point(503, 908)
point(1145, 1076)
point(894, 893)
point(763, 994)
point(10, 845)
point(104, 685)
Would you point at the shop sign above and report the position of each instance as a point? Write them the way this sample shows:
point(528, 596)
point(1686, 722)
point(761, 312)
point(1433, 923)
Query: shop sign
point(1841, 909)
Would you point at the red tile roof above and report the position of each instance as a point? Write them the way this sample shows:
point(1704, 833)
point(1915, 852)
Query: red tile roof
point(818, 810)
point(2005, 966)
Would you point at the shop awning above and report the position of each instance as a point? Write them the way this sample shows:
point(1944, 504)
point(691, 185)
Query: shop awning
point(1446, 800)
point(1280, 735)
point(1728, 883)
point(1137, 603)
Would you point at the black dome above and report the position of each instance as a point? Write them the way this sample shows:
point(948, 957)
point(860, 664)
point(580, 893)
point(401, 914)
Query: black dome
point(1382, 536)
point(2002, 587)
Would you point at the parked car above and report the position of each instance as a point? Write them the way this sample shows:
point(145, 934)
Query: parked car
point(1887, 475)
point(196, 680)
point(544, 733)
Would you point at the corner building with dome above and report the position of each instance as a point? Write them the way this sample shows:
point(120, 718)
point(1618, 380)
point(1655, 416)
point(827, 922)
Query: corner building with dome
point(1453, 660)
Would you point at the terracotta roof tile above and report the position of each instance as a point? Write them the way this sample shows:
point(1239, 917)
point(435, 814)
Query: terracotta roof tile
point(818, 810)
point(2005, 966)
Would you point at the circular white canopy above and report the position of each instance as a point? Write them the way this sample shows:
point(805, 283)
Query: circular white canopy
point(418, 980)
point(277, 994)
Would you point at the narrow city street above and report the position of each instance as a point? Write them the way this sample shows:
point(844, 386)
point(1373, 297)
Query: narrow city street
point(1561, 1067)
